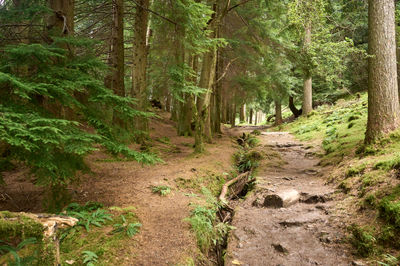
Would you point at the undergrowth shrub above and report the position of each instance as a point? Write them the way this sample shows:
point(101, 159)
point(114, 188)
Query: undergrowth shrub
point(54, 106)
point(355, 170)
point(247, 160)
point(390, 212)
point(389, 164)
point(203, 221)
point(89, 214)
point(162, 190)
point(363, 240)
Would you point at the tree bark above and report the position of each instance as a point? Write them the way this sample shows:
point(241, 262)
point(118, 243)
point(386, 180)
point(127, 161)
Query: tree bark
point(383, 98)
point(218, 92)
point(185, 106)
point(251, 116)
point(233, 113)
point(278, 112)
point(307, 88)
point(62, 21)
point(115, 81)
point(296, 112)
point(139, 79)
point(242, 113)
point(203, 100)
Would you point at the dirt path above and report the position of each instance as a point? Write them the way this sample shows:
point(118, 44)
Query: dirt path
point(302, 234)
point(165, 238)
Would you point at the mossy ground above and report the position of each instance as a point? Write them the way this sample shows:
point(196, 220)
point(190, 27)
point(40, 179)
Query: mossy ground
point(111, 248)
point(17, 228)
point(368, 176)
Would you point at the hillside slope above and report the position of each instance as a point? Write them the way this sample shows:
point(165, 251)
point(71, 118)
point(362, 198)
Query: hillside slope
point(367, 176)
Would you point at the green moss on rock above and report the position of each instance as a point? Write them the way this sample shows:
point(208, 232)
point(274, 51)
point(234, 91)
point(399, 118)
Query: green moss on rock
point(15, 226)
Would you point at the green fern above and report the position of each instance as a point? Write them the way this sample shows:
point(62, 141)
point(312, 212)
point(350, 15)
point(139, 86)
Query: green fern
point(89, 214)
point(18, 261)
point(89, 258)
point(131, 229)
point(162, 190)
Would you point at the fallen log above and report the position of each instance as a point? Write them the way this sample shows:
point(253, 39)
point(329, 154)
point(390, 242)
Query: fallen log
point(225, 187)
point(282, 199)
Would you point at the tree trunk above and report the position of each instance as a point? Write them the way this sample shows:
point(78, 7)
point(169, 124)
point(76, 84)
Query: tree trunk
point(296, 112)
point(218, 94)
point(383, 98)
point(185, 107)
point(60, 24)
point(203, 100)
point(185, 117)
point(115, 81)
point(307, 88)
point(62, 21)
point(242, 113)
point(251, 116)
point(233, 113)
point(278, 112)
point(168, 102)
point(255, 118)
point(174, 109)
point(139, 82)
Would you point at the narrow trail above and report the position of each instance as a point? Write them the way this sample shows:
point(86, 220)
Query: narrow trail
point(306, 233)
point(165, 238)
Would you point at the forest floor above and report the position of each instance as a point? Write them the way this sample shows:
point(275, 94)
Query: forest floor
point(164, 238)
point(306, 233)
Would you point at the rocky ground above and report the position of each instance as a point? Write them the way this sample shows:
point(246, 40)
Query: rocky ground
point(305, 231)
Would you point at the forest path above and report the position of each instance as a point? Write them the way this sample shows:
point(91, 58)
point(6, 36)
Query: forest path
point(306, 233)
point(164, 238)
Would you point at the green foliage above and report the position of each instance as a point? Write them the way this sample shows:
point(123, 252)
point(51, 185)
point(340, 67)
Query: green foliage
point(370, 201)
point(247, 160)
point(390, 212)
point(131, 229)
point(89, 214)
point(331, 135)
point(162, 190)
point(18, 261)
point(89, 258)
point(356, 170)
point(107, 244)
point(203, 218)
point(389, 260)
point(213, 182)
point(363, 240)
point(49, 98)
point(306, 128)
point(164, 140)
point(18, 226)
point(389, 164)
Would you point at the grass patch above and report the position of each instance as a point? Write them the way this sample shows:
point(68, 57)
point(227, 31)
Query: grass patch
point(211, 181)
point(203, 221)
point(389, 164)
point(363, 240)
point(389, 208)
point(161, 190)
point(355, 170)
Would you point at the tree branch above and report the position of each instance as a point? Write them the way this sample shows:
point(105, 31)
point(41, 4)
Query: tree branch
point(155, 13)
point(239, 4)
point(226, 70)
